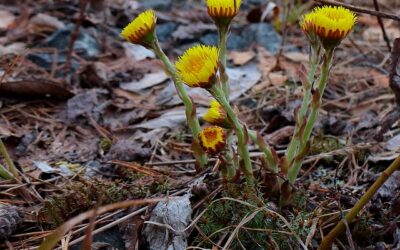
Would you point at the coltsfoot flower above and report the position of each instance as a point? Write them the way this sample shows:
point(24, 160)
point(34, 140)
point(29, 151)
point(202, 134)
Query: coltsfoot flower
point(330, 23)
point(212, 139)
point(198, 66)
point(216, 115)
point(223, 10)
point(141, 29)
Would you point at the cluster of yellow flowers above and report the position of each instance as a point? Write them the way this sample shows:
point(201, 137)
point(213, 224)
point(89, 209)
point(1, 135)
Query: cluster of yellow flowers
point(203, 66)
point(197, 67)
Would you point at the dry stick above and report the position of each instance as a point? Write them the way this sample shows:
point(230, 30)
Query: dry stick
point(75, 33)
point(338, 229)
point(385, 36)
point(361, 10)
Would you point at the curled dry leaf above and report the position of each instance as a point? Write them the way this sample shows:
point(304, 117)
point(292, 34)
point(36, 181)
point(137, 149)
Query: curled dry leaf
point(35, 89)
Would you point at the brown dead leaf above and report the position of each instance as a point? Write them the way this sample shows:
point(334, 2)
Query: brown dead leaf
point(44, 23)
point(296, 56)
point(34, 88)
point(280, 136)
point(7, 19)
point(241, 58)
point(374, 34)
point(277, 78)
point(266, 62)
point(368, 74)
point(149, 80)
point(14, 48)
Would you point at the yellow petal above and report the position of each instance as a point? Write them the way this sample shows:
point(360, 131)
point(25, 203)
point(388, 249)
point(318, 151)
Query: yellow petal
point(198, 66)
point(140, 28)
point(223, 8)
point(330, 23)
point(215, 115)
point(212, 139)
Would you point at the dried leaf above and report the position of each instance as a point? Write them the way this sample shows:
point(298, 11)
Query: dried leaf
point(176, 214)
point(171, 119)
point(147, 81)
point(296, 56)
point(387, 190)
point(240, 80)
point(7, 19)
point(35, 88)
point(241, 58)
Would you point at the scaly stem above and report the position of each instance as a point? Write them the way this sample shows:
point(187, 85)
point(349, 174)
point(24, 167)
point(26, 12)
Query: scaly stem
point(229, 155)
point(313, 63)
point(219, 95)
point(223, 36)
point(190, 109)
point(295, 168)
point(11, 167)
point(264, 147)
point(338, 229)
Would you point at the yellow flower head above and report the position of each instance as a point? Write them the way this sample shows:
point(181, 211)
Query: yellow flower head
point(141, 29)
point(212, 139)
point(330, 23)
point(198, 65)
point(223, 10)
point(216, 115)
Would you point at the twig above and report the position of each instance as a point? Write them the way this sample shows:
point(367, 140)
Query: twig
point(338, 229)
point(361, 10)
point(75, 33)
point(385, 36)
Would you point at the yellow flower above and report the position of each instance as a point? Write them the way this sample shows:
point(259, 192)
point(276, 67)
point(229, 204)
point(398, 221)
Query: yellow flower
point(223, 10)
point(198, 65)
point(141, 29)
point(330, 23)
point(212, 139)
point(216, 115)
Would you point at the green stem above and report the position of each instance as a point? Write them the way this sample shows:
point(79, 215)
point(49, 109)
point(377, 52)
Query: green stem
point(190, 110)
point(219, 95)
point(11, 167)
point(338, 229)
point(229, 155)
point(294, 170)
point(4, 173)
point(294, 143)
point(264, 147)
point(223, 36)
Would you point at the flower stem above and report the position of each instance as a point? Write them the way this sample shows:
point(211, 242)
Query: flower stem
point(4, 173)
point(338, 229)
point(315, 105)
point(223, 36)
point(264, 147)
point(11, 167)
point(190, 108)
point(294, 143)
point(219, 95)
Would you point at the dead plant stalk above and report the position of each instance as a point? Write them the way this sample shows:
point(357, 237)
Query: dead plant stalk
point(338, 229)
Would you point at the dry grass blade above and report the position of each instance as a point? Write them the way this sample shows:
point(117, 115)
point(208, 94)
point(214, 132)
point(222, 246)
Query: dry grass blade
point(137, 168)
point(51, 241)
point(87, 242)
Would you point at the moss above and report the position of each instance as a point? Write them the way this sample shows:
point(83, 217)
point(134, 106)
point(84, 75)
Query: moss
point(261, 232)
point(105, 144)
point(82, 195)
